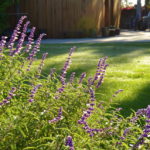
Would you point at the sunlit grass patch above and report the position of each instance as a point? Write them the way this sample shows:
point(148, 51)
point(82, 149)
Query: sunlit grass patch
point(129, 68)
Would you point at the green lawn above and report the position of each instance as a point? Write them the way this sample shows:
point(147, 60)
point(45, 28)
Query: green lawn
point(129, 69)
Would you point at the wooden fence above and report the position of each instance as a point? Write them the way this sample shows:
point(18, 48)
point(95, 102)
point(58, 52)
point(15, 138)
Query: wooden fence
point(71, 18)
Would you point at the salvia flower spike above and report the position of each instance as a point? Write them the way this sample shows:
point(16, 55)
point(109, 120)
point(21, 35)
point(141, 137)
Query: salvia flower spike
point(30, 40)
point(33, 92)
point(146, 130)
point(66, 66)
point(83, 75)
point(9, 97)
point(59, 116)
point(21, 40)
point(42, 64)
point(100, 69)
point(36, 47)
point(69, 143)
point(87, 114)
point(30, 64)
point(2, 45)
point(63, 74)
point(16, 33)
point(117, 92)
point(72, 76)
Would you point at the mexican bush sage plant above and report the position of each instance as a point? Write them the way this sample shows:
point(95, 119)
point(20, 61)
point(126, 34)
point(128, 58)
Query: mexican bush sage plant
point(49, 112)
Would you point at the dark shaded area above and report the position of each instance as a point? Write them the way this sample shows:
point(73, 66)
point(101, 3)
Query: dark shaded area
point(141, 101)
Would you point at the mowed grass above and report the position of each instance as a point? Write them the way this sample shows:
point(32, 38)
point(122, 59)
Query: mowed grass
point(129, 69)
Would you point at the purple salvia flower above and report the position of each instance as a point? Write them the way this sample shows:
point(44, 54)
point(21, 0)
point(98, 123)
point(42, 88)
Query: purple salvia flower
point(117, 92)
point(92, 131)
point(87, 114)
point(146, 131)
point(58, 118)
point(101, 67)
point(90, 81)
point(9, 97)
point(30, 40)
point(126, 131)
point(21, 40)
point(63, 74)
point(140, 112)
point(2, 44)
point(66, 66)
point(148, 112)
point(33, 92)
point(72, 76)
point(101, 77)
point(16, 33)
point(36, 47)
point(42, 63)
point(69, 143)
point(30, 63)
point(92, 94)
point(83, 75)
point(134, 119)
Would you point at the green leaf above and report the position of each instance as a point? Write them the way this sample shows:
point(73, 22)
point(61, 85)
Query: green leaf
point(22, 132)
point(28, 148)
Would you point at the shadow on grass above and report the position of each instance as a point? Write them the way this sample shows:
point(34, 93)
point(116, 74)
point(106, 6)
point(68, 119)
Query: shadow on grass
point(142, 100)
point(107, 49)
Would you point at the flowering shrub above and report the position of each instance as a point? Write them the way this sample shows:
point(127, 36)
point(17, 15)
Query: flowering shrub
point(53, 112)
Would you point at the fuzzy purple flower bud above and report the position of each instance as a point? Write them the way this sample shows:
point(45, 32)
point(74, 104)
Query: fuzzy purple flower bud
point(30, 40)
point(117, 92)
point(83, 75)
point(69, 143)
point(2, 44)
